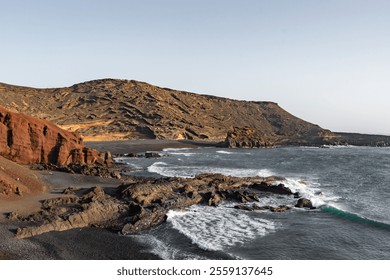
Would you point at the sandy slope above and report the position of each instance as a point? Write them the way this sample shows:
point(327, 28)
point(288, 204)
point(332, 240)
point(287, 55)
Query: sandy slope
point(18, 182)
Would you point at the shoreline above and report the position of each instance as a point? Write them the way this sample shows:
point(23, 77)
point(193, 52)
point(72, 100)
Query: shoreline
point(142, 146)
point(86, 243)
point(76, 244)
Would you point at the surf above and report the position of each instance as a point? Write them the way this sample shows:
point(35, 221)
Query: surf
point(354, 217)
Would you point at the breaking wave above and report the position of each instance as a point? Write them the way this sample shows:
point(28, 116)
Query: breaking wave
point(219, 228)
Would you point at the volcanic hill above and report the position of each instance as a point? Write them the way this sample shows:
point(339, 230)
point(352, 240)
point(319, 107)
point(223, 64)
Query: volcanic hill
point(110, 109)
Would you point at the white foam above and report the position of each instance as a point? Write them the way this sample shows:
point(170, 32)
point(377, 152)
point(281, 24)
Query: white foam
point(219, 228)
point(121, 160)
point(170, 150)
point(163, 250)
point(310, 190)
point(171, 170)
point(225, 152)
point(231, 153)
point(183, 154)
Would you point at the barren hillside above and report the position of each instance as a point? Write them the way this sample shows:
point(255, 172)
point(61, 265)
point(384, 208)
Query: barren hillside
point(120, 109)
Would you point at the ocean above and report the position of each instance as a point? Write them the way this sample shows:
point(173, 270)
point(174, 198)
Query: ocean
point(350, 186)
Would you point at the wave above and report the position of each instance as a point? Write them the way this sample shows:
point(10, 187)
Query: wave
point(309, 190)
point(176, 149)
point(163, 250)
point(171, 170)
point(121, 161)
point(219, 228)
point(231, 153)
point(354, 217)
point(183, 154)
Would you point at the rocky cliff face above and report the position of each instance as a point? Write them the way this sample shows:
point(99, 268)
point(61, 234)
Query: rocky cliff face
point(25, 139)
point(120, 109)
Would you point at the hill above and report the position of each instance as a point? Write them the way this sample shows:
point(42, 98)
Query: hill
point(111, 109)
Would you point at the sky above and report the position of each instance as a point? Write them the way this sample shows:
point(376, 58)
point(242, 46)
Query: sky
point(327, 62)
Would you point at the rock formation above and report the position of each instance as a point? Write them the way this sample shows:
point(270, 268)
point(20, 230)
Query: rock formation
point(24, 139)
point(304, 203)
point(120, 109)
point(142, 203)
point(248, 138)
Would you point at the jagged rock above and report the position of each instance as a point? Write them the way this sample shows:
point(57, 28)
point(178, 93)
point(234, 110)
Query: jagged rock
point(25, 139)
point(70, 191)
point(142, 203)
point(216, 198)
point(97, 209)
point(278, 189)
point(304, 203)
point(13, 216)
point(254, 207)
point(246, 137)
point(280, 208)
point(145, 220)
point(152, 155)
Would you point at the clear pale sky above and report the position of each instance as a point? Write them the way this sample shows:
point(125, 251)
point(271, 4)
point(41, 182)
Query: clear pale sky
point(327, 62)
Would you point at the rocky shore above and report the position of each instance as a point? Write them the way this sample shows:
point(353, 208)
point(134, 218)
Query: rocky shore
point(143, 203)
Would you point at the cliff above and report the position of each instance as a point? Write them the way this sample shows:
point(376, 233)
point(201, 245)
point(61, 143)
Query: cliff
point(120, 109)
point(24, 139)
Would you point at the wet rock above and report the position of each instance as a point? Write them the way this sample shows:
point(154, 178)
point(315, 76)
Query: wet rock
point(255, 207)
point(304, 203)
point(216, 198)
point(152, 155)
point(280, 208)
point(142, 203)
point(277, 189)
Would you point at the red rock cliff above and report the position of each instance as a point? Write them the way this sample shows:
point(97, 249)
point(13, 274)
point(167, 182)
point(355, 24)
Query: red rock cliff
point(25, 139)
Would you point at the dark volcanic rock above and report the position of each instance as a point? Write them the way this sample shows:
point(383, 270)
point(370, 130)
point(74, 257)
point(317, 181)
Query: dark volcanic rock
point(142, 203)
point(254, 207)
point(304, 203)
point(278, 189)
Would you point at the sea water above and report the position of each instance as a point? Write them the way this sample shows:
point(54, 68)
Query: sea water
point(350, 186)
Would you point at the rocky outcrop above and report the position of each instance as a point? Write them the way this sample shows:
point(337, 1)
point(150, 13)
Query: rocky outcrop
point(24, 139)
point(358, 139)
point(304, 203)
point(255, 207)
point(111, 109)
point(142, 203)
point(248, 138)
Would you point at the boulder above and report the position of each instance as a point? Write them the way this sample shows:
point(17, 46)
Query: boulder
point(304, 203)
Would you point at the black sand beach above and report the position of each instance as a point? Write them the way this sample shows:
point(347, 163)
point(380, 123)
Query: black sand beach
point(78, 244)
